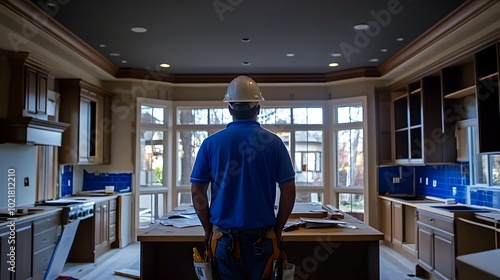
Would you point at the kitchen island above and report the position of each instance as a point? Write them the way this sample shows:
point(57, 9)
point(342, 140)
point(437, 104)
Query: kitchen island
point(318, 253)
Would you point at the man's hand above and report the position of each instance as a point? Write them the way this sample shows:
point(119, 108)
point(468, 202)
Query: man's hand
point(200, 203)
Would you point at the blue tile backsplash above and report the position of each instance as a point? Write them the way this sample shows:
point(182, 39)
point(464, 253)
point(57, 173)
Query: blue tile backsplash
point(97, 181)
point(67, 180)
point(451, 182)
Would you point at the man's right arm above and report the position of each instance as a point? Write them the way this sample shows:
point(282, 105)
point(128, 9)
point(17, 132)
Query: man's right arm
point(200, 203)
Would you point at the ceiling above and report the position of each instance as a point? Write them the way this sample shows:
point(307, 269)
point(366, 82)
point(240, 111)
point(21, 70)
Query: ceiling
point(208, 37)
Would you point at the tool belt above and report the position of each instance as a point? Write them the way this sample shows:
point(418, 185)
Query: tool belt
point(261, 233)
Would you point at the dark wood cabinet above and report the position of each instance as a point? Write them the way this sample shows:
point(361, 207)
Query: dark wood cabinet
point(46, 231)
point(88, 109)
point(436, 245)
point(28, 87)
point(24, 251)
point(95, 235)
point(4, 251)
point(488, 98)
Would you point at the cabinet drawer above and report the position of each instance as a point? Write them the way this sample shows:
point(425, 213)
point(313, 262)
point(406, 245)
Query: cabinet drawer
point(112, 233)
point(46, 223)
point(443, 223)
point(41, 260)
point(112, 205)
point(44, 239)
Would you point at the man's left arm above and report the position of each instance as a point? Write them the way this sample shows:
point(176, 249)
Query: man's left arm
point(200, 203)
point(287, 200)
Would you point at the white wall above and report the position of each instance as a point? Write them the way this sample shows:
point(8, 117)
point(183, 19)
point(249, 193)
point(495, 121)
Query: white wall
point(22, 158)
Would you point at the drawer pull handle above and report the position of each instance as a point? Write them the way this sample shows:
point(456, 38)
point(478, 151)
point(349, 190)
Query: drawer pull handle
point(431, 220)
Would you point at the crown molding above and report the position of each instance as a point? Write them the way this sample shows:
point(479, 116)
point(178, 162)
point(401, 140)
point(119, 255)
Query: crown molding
point(462, 15)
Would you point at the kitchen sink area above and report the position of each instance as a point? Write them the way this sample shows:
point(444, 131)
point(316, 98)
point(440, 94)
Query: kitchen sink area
point(460, 208)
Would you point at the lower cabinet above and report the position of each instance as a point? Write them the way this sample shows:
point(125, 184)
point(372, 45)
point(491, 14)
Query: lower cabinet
point(436, 245)
point(95, 235)
point(46, 232)
point(34, 244)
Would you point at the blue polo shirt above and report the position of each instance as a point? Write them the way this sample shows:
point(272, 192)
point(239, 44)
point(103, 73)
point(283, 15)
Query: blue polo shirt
point(243, 163)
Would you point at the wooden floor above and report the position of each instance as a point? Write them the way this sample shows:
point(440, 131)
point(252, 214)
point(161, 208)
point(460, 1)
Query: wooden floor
point(393, 266)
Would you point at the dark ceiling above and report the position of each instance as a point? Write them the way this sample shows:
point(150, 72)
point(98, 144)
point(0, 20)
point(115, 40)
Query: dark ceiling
point(205, 37)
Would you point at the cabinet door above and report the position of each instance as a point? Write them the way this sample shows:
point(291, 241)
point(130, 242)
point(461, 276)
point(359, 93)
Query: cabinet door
point(24, 251)
point(4, 250)
point(386, 219)
point(105, 223)
point(41, 93)
point(397, 224)
point(98, 225)
point(425, 247)
point(444, 254)
point(30, 89)
point(84, 131)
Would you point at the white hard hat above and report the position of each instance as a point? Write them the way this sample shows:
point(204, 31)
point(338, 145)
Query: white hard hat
point(243, 89)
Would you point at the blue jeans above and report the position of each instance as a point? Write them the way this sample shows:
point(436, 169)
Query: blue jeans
point(253, 256)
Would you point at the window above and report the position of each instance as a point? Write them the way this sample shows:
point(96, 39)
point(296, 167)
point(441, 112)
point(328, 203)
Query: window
point(485, 167)
point(300, 128)
point(349, 126)
point(153, 162)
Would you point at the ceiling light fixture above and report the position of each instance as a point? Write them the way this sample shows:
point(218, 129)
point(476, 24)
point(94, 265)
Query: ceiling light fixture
point(245, 63)
point(102, 45)
point(245, 40)
point(373, 60)
point(333, 64)
point(164, 65)
point(138, 29)
point(336, 54)
point(399, 39)
point(114, 54)
point(124, 61)
point(383, 50)
point(361, 26)
point(290, 54)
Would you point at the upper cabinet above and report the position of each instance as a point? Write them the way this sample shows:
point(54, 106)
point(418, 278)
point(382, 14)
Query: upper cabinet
point(419, 136)
point(27, 117)
point(88, 109)
point(424, 113)
point(488, 98)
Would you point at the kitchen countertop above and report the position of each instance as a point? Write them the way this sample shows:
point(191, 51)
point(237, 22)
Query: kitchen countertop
point(434, 201)
point(37, 212)
point(482, 265)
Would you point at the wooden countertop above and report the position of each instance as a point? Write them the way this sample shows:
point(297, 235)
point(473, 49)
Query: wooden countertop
point(486, 262)
point(363, 232)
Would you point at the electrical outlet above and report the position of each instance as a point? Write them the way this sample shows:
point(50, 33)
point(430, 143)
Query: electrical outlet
point(420, 180)
point(69, 183)
point(426, 181)
point(26, 181)
point(434, 183)
point(454, 191)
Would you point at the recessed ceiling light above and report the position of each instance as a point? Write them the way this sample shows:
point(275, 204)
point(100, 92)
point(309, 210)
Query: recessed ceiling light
point(383, 50)
point(336, 54)
point(164, 65)
point(333, 64)
point(114, 54)
point(102, 45)
point(361, 26)
point(51, 4)
point(290, 54)
point(399, 39)
point(373, 60)
point(245, 63)
point(245, 40)
point(138, 29)
point(124, 61)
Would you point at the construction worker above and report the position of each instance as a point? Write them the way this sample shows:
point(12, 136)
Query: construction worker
point(243, 164)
